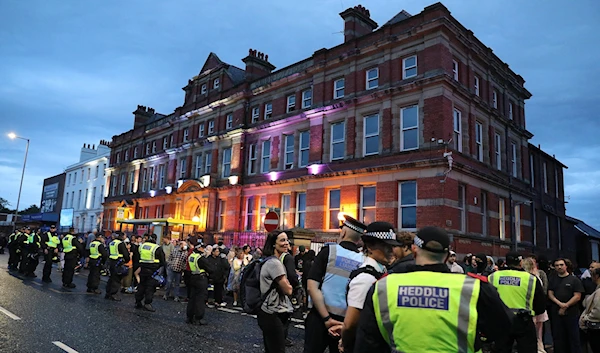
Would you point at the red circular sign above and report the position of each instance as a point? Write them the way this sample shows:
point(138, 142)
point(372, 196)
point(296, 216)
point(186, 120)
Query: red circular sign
point(271, 221)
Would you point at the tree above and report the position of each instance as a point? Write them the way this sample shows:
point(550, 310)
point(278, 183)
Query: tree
point(4, 205)
point(30, 210)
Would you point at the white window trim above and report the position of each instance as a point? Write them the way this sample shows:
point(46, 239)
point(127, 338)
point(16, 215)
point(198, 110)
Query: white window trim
point(403, 129)
point(302, 149)
point(253, 214)
point(455, 68)
point(479, 140)
point(462, 189)
point(216, 83)
point(182, 168)
point(531, 171)
point(153, 146)
point(265, 157)
point(476, 86)
point(199, 167)
point(513, 159)
point(510, 110)
point(207, 162)
point(161, 176)
point(252, 159)
point(226, 163)
point(165, 143)
point(211, 127)
point(201, 130)
point(151, 178)
point(361, 205)
point(495, 99)
point(484, 214)
point(284, 213)
point(405, 68)
point(372, 135)
point(337, 89)
point(287, 150)
point(222, 214)
point(229, 121)
point(298, 212)
point(556, 182)
point(518, 223)
point(402, 206)
point(268, 110)
point(306, 102)
point(329, 209)
point(186, 134)
point(498, 150)
point(342, 141)
point(255, 114)
point(369, 80)
point(545, 167)
point(458, 142)
point(145, 180)
point(547, 232)
point(502, 219)
point(291, 106)
point(203, 88)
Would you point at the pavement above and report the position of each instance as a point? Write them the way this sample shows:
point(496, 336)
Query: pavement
point(46, 318)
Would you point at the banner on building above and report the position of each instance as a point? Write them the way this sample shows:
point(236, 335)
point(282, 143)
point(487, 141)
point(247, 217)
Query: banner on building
point(121, 212)
point(66, 217)
point(49, 198)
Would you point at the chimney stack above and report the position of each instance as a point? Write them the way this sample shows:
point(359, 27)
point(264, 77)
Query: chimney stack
point(357, 22)
point(257, 64)
point(141, 116)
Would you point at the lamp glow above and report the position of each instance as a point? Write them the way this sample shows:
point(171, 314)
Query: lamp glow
point(314, 169)
point(179, 183)
point(196, 219)
point(152, 193)
point(341, 216)
point(233, 180)
point(12, 135)
point(273, 176)
point(205, 180)
point(169, 189)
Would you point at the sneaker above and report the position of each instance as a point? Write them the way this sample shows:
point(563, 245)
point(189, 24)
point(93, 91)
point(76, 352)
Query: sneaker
point(149, 307)
point(223, 304)
point(210, 306)
point(165, 297)
point(97, 291)
point(234, 303)
point(176, 299)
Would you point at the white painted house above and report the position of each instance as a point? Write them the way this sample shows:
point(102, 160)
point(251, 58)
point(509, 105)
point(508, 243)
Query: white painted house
point(84, 187)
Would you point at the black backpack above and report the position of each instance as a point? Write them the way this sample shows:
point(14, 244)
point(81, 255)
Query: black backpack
point(367, 269)
point(250, 296)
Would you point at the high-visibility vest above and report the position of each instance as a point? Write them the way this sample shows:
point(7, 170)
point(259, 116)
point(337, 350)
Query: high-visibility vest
point(94, 253)
point(340, 264)
point(148, 253)
point(516, 288)
point(193, 262)
point(33, 239)
point(67, 243)
point(427, 311)
point(114, 249)
point(53, 240)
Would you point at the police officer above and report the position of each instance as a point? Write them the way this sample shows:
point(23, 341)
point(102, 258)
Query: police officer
point(430, 309)
point(199, 267)
point(50, 243)
point(524, 295)
point(152, 259)
point(13, 259)
point(98, 256)
point(118, 256)
point(23, 249)
point(327, 282)
point(33, 247)
point(72, 249)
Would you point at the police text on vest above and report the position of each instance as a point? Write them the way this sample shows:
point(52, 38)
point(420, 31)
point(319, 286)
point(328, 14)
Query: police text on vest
point(423, 297)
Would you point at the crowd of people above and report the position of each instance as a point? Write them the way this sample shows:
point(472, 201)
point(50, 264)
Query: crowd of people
point(372, 290)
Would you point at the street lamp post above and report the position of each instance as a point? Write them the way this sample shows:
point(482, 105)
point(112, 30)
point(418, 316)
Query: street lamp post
point(13, 136)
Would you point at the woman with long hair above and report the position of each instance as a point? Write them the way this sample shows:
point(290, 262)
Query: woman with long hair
point(529, 264)
point(275, 287)
point(237, 264)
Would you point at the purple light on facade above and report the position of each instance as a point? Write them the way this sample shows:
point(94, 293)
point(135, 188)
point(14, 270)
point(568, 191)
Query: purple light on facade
point(273, 176)
point(315, 169)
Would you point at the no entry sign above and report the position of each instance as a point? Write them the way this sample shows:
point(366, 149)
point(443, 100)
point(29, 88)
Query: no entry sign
point(271, 221)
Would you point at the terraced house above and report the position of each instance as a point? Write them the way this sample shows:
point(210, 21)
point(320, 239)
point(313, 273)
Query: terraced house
point(415, 122)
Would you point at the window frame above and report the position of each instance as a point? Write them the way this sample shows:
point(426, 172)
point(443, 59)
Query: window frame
point(207, 162)
point(337, 89)
point(462, 196)
point(306, 102)
point(222, 214)
point(285, 212)
point(144, 179)
point(229, 121)
point(365, 137)
point(268, 114)
point(498, 150)
point(332, 218)
point(342, 141)
point(226, 163)
point(161, 176)
point(479, 140)
point(402, 206)
point(250, 219)
point(517, 218)
point(483, 208)
point(457, 134)
point(288, 152)
point(501, 218)
point(182, 168)
point(362, 206)
point(373, 79)
point(545, 174)
point(403, 129)
point(510, 110)
point(216, 83)
point(252, 159)
point(303, 149)
point(455, 68)
point(291, 106)
point(513, 160)
point(300, 213)
point(203, 89)
point(255, 114)
point(199, 166)
point(165, 143)
point(476, 85)
point(495, 99)
point(131, 182)
point(265, 160)
point(405, 68)
point(211, 126)
point(186, 134)
point(201, 130)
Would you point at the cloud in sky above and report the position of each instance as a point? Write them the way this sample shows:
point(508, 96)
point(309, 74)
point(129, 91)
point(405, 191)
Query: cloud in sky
point(73, 71)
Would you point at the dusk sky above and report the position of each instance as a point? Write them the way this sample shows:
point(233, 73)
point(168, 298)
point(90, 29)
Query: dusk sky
point(71, 72)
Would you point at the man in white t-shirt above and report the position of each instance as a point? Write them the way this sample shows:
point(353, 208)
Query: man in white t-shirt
point(452, 265)
point(379, 240)
point(247, 256)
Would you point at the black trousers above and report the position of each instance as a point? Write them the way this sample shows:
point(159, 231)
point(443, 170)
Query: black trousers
point(186, 279)
point(316, 338)
point(32, 262)
point(69, 269)
point(198, 287)
point(23, 260)
point(94, 275)
point(594, 340)
point(565, 332)
point(272, 326)
point(48, 264)
point(146, 287)
point(522, 331)
point(218, 292)
point(13, 259)
point(113, 286)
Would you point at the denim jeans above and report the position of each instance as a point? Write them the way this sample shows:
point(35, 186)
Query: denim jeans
point(173, 282)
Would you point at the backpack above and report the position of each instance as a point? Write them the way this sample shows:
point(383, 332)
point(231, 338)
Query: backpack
point(250, 296)
point(367, 269)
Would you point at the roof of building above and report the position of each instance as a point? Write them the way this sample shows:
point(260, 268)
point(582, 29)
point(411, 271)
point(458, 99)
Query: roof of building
point(541, 151)
point(400, 16)
point(584, 228)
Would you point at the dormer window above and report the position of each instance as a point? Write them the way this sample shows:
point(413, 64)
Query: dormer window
point(203, 88)
point(216, 83)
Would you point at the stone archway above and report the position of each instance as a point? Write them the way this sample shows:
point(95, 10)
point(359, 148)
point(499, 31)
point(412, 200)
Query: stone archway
point(191, 208)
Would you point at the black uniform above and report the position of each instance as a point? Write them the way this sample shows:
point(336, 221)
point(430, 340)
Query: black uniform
point(493, 317)
point(33, 247)
point(23, 251)
point(71, 258)
point(198, 292)
point(114, 282)
point(147, 285)
point(50, 255)
point(218, 276)
point(95, 265)
point(523, 328)
point(13, 255)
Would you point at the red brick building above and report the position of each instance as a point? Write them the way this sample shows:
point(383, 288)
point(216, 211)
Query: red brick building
point(415, 122)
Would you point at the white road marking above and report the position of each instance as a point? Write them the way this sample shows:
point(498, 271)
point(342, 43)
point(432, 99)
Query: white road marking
point(299, 326)
point(297, 320)
point(9, 314)
point(228, 310)
point(64, 347)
